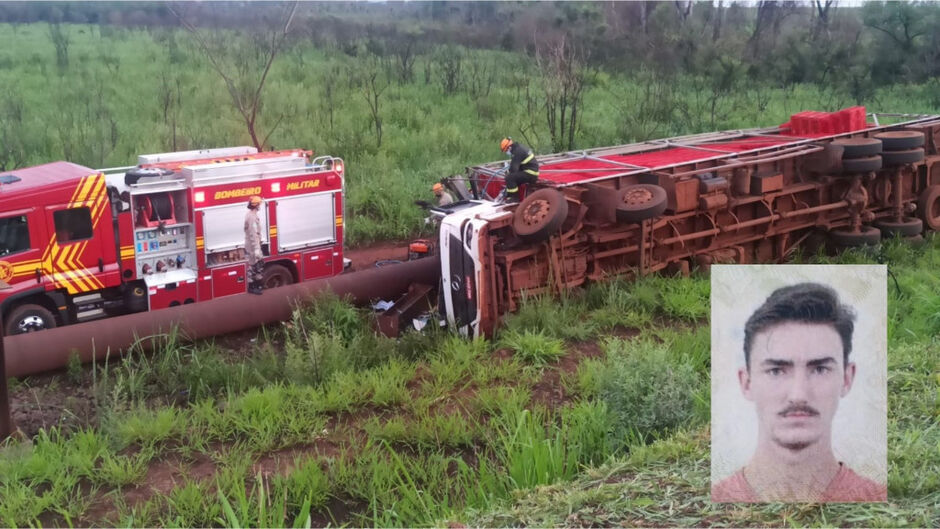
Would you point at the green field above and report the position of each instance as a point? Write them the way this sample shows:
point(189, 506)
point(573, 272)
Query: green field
point(589, 410)
point(127, 92)
point(592, 409)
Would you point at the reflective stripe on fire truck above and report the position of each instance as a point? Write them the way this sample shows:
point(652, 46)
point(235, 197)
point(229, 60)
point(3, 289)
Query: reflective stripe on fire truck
point(200, 243)
point(339, 220)
point(127, 252)
point(272, 231)
point(62, 265)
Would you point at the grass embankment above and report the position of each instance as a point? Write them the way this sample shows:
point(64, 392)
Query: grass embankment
point(327, 422)
point(126, 92)
point(666, 483)
point(343, 426)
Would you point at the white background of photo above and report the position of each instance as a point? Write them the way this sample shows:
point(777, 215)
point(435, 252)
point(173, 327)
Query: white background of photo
point(859, 430)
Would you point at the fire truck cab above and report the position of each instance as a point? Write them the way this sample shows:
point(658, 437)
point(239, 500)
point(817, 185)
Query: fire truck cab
point(78, 244)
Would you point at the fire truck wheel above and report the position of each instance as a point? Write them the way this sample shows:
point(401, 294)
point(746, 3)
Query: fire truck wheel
point(902, 157)
point(928, 206)
point(639, 202)
point(907, 227)
point(900, 140)
point(29, 318)
point(539, 215)
point(277, 276)
point(858, 147)
point(867, 235)
point(861, 165)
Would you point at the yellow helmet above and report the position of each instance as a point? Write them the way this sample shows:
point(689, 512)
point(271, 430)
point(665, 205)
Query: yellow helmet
point(505, 144)
point(437, 188)
point(254, 201)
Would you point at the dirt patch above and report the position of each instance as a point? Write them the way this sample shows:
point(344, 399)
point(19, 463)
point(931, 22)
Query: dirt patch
point(365, 257)
point(549, 390)
point(281, 462)
point(51, 400)
point(165, 475)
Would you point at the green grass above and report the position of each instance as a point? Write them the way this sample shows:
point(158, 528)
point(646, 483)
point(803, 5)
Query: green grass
point(97, 113)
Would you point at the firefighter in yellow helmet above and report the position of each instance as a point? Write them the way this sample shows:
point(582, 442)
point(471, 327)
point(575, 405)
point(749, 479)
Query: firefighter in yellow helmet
point(523, 167)
point(253, 246)
point(443, 197)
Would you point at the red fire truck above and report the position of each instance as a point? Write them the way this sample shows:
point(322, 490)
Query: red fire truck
point(78, 244)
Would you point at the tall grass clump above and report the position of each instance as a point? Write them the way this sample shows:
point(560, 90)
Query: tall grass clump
point(535, 454)
point(535, 347)
point(561, 318)
point(649, 391)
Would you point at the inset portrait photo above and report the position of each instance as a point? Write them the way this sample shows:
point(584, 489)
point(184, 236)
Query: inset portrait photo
point(799, 383)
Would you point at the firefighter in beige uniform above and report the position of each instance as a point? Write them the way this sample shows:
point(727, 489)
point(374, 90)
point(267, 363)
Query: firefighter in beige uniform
point(253, 246)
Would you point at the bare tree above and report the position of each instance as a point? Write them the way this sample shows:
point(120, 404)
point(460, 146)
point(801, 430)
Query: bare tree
point(61, 41)
point(823, 7)
point(371, 85)
point(239, 67)
point(564, 77)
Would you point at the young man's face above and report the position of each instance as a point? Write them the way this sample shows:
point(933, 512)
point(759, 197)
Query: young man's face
point(796, 379)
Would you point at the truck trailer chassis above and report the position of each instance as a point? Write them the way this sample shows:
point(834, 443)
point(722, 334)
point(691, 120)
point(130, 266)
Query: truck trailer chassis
point(729, 197)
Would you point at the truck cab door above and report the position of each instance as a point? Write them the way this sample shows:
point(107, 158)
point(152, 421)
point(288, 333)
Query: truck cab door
point(81, 255)
point(23, 236)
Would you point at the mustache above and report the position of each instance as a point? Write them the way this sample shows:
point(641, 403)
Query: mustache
point(799, 408)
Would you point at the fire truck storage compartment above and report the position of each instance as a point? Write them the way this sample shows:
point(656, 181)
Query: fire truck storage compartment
point(318, 263)
point(227, 280)
point(308, 220)
point(174, 288)
point(154, 209)
point(164, 240)
point(224, 231)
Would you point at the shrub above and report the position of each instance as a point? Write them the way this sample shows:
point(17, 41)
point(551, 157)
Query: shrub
point(648, 391)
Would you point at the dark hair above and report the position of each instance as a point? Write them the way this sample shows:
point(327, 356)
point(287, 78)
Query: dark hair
point(804, 303)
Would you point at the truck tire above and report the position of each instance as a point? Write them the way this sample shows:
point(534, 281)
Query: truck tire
point(900, 140)
point(861, 165)
point(29, 318)
point(640, 202)
point(858, 147)
point(539, 215)
point(276, 276)
point(868, 235)
point(928, 207)
point(902, 157)
point(907, 227)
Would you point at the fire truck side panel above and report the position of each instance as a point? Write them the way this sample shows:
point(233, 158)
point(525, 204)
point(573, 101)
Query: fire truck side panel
point(80, 256)
point(172, 294)
point(228, 280)
point(318, 263)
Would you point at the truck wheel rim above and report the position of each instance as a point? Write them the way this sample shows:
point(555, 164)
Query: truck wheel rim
point(536, 212)
point(636, 197)
point(31, 323)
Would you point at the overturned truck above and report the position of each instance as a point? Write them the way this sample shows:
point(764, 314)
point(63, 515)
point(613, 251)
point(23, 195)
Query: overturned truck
point(728, 197)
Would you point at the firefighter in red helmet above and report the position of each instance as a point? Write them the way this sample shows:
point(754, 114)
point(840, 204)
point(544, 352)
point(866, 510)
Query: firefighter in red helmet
point(253, 246)
point(523, 167)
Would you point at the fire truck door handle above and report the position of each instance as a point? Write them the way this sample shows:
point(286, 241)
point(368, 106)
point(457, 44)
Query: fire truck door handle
point(39, 275)
point(100, 264)
point(241, 279)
